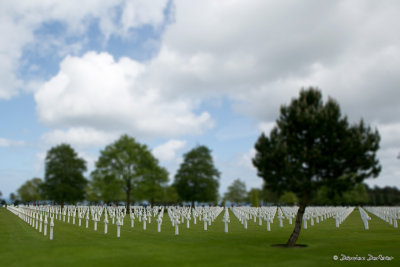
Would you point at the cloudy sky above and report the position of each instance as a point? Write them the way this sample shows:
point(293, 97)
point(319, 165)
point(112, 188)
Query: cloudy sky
point(175, 74)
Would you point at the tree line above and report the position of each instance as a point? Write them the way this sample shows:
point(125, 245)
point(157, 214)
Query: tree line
point(236, 194)
point(126, 171)
point(361, 194)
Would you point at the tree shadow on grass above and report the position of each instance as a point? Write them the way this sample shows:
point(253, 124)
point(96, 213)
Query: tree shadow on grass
point(285, 246)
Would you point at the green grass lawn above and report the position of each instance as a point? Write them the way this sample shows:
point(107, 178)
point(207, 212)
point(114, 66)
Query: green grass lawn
point(22, 245)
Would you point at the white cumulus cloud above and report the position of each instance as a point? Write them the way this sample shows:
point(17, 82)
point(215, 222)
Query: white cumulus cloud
point(95, 91)
point(79, 137)
point(245, 159)
point(19, 21)
point(168, 150)
point(140, 12)
point(266, 127)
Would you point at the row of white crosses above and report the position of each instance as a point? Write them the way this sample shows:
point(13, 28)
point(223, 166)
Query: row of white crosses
point(316, 213)
point(30, 213)
point(311, 214)
point(243, 214)
point(322, 213)
point(319, 214)
point(290, 213)
point(145, 214)
point(119, 214)
point(388, 214)
point(174, 216)
point(364, 217)
point(86, 213)
point(36, 217)
point(341, 213)
point(226, 219)
point(268, 214)
point(159, 218)
point(178, 215)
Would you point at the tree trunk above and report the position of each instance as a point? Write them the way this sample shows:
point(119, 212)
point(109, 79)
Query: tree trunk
point(192, 203)
point(128, 191)
point(297, 227)
point(128, 200)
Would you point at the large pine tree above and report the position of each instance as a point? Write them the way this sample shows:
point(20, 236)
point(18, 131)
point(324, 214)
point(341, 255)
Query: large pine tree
point(314, 146)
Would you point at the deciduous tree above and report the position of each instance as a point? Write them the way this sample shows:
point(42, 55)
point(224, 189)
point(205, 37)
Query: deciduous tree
point(31, 190)
point(288, 198)
point(105, 188)
point(153, 184)
point(127, 163)
point(236, 192)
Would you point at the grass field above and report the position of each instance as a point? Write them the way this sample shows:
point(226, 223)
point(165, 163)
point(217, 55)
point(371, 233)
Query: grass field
point(22, 245)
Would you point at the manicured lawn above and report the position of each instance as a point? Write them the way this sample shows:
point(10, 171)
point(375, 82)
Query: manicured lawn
point(22, 245)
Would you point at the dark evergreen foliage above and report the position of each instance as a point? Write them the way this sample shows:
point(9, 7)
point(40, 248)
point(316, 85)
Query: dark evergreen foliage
point(385, 196)
point(64, 179)
point(197, 177)
point(314, 146)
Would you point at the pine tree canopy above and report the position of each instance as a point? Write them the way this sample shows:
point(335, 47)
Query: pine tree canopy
point(313, 145)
